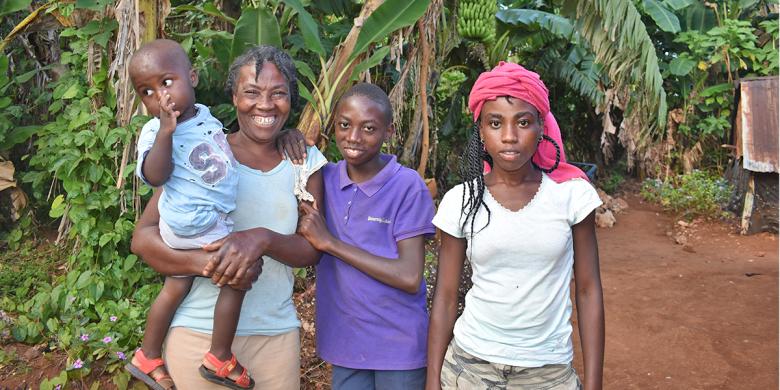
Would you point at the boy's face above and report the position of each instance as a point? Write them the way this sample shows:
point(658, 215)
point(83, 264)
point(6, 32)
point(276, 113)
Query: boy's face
point(361, 129)
point(152, 76)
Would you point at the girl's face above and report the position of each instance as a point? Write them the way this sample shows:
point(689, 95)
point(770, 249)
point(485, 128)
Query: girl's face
point(510, 128)
point(360, 130)
point(262, 102)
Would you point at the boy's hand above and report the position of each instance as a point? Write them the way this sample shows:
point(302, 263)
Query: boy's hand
point(292, 144)
point(168, 113)
point(312, 227)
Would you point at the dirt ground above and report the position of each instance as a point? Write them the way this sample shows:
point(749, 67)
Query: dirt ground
point(698, 316)
point(703, 315)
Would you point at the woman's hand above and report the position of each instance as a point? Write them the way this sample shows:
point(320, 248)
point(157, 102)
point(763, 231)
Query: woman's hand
point(292, 144)
point(234, 256)
point(312, 226)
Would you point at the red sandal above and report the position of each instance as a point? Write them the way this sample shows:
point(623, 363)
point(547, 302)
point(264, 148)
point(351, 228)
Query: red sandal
point(220, 376)
point(143, 369)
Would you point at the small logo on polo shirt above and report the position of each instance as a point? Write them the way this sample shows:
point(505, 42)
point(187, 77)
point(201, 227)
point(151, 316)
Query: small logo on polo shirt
point(379, 219)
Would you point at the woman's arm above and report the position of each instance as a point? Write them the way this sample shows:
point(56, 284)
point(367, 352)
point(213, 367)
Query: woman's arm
point(452, 254)
point(403, 273)
point(150, 247)
point(590, 305)
point(240, 251)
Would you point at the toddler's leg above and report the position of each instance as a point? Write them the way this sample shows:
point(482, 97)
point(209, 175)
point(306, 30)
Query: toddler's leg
point(226, 314)
point(220, 365)
point(161, 314)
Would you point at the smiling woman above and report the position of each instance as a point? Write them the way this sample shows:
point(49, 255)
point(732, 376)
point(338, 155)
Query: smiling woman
point(262, 83)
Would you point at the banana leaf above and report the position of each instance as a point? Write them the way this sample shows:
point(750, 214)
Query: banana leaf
point(665, 19)
point(255, 26)
point(390, 16)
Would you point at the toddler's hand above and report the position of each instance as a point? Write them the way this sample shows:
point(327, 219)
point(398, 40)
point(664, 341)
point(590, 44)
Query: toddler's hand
point(168, 113)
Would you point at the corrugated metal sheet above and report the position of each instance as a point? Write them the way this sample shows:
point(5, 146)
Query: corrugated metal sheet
point(756, 133)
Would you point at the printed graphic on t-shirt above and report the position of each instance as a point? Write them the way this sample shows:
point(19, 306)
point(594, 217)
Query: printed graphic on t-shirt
point(204, 158)
point(221, 141)
point(379, 219)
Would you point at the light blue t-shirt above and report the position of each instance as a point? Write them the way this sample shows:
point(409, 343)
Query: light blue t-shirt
point(265, 199)
point(203, 182)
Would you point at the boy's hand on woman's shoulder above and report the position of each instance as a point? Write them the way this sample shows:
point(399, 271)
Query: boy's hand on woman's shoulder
point(168, 113)
point(292, 143)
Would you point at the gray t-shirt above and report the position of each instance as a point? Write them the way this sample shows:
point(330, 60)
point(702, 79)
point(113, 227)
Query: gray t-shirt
point(265, 199)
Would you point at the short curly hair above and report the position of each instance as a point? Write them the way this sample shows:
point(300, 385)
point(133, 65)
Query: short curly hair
point(259, 55)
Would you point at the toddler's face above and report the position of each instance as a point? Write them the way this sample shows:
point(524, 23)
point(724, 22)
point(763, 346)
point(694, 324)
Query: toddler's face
point(153, 79)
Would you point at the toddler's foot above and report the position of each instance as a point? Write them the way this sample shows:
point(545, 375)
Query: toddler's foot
point(152, 372)
point(227, 373)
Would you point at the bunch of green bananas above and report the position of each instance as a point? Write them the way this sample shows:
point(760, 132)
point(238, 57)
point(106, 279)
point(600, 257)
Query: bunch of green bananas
point(449, 82)
point(477, 19)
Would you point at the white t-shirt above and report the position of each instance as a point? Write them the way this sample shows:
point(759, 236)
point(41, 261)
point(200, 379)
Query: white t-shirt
point(518, 310)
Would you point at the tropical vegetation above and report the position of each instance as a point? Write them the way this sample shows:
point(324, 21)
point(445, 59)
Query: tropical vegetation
point(638, 87)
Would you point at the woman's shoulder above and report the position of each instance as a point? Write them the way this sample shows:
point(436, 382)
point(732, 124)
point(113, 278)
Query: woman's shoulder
point(314, 159)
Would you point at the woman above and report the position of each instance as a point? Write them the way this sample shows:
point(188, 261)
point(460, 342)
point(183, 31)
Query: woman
point(525, 227)
point(264, 88)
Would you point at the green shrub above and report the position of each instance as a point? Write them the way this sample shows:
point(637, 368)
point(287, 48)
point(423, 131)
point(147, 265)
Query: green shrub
point(696, 194)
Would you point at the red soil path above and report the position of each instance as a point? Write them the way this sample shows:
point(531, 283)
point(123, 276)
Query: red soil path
point(700, 316)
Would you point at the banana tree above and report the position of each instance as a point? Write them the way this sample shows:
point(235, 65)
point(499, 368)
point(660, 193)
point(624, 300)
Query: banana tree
point(377, 20)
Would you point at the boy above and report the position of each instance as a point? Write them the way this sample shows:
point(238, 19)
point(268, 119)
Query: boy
point(184, 151)
point(371, 314)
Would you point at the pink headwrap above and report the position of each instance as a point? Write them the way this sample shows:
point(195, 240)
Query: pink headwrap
point(510, 79)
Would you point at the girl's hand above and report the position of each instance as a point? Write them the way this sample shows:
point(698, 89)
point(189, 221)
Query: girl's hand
point(292, 144)
point(234, 256)
point(168, 113)
point(312, 226)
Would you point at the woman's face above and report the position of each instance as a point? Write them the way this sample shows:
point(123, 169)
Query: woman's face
point(510, 128)
point(262, 102)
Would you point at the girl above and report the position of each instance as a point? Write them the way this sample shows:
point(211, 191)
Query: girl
point(524, 227)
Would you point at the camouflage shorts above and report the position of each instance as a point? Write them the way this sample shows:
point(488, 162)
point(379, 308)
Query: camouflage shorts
point(466, 372)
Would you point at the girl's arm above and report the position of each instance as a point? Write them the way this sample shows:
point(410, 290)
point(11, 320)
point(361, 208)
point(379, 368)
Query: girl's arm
point(150, 247)
point(403, 273)
point(452, 254)
point(240, 251)
point(590, 305)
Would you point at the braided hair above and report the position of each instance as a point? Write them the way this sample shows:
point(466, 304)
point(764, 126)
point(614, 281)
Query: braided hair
point(471, 171)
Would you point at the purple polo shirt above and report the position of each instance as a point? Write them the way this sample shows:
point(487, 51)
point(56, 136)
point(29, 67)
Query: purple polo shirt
point(363, 323)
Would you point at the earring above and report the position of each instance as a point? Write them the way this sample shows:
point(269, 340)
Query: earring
point(557, 155)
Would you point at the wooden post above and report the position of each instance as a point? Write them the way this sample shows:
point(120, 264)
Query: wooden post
point(747, 208)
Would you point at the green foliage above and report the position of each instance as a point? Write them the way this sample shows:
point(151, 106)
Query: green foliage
point(696, 194)
point(89, 296)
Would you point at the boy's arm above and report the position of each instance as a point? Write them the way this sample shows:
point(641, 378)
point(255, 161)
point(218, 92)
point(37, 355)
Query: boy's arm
point(158, 163)
point(403, 273)
point(590, 305)
point(452, 254)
